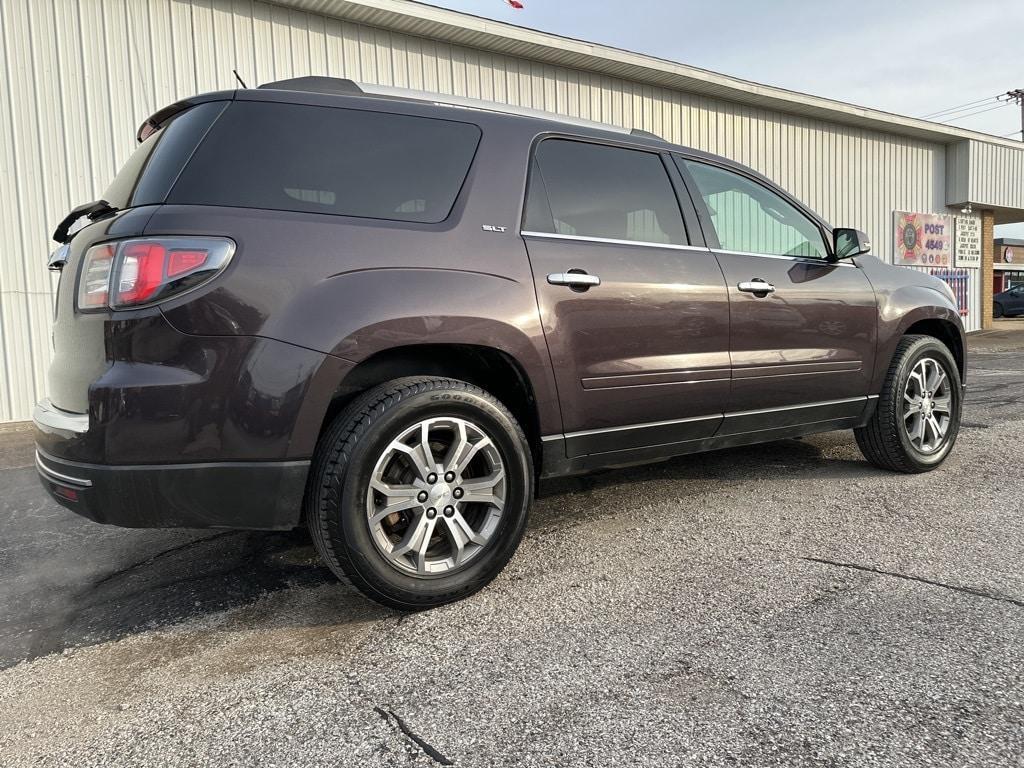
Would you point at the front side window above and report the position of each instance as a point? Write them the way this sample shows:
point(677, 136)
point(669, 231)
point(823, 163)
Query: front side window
point(594, 190)
point(345, 162)
point(750, 218)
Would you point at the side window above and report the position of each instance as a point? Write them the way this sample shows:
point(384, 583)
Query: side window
point(345, 162)
point(750, 218)
point(593, 190)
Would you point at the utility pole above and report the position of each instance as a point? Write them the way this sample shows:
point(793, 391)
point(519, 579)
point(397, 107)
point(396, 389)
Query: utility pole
point(1017, 96)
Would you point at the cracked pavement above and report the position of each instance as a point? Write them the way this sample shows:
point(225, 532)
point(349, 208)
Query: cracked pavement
point(784, 604)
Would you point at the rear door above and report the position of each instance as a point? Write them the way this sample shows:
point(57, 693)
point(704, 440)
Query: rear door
point(636, 315)
point(802, 338)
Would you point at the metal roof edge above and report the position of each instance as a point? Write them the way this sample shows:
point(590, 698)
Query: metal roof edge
point(422, 20)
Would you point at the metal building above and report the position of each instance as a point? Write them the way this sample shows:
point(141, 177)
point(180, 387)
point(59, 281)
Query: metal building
point(79, 76)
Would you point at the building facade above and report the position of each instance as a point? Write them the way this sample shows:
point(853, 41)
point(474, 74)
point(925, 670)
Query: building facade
point(81, 75)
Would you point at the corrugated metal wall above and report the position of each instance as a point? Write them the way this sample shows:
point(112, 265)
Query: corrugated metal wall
point(80, 75)
point(996, 173)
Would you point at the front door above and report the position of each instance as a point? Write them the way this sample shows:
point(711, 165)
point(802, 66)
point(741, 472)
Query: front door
point(802, 332)
point(636, 319)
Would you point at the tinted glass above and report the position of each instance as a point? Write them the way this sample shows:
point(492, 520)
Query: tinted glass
point(323, 160)
point(594, 190)
point(154, 165)
point(750, 218)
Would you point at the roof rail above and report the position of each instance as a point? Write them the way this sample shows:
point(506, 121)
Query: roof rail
point(344, 87)
point(314, 84)
point(647, 134)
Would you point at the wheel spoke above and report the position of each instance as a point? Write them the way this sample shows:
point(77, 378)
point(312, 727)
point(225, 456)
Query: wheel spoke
point(423, 544)
point(468, 457)
point(942, 404)
point(462, 534)
point(937, 429)
point(917, 377)
point(419, 529)
point(916, 430)
point(399, 497)
point(936, 379)
point(416, 458)
point(459, 447)
point(482, 489)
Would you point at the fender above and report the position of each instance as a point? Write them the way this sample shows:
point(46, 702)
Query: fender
point(385, 308)
point(902, 308)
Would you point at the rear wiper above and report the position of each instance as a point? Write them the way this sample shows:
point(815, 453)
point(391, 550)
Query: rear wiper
point(92, 210)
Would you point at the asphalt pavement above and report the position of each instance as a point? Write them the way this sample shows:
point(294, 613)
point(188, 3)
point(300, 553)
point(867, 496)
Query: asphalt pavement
point(784, 604)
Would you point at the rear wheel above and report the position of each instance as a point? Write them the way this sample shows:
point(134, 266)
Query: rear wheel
point(997, 310)
point(917, 419)
point(420, 492)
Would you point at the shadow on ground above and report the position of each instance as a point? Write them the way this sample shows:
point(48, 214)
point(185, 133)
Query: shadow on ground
point(100, 584)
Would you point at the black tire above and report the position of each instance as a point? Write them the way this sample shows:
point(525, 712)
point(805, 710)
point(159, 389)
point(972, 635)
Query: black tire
point(346, 455)
point(997, 310)
point(884, 440)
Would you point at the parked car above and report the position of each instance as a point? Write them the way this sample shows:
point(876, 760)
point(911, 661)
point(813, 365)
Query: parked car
point(388, 317)
point(1009, 303)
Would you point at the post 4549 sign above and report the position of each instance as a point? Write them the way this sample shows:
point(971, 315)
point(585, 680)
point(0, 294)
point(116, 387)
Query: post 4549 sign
point(924, 239)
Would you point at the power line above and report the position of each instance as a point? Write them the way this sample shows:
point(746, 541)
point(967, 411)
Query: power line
point(959, 107)
point(949, 114)
point(972, 114)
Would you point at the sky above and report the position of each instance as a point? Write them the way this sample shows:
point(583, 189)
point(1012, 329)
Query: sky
point(911, 57)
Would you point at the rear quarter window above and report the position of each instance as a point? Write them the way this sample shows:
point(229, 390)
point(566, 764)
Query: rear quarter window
point(154, 166)
point(327, 160)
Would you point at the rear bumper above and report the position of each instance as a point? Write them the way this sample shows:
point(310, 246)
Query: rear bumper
point(263, 495)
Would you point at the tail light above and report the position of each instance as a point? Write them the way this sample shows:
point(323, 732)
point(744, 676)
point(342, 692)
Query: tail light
point(134, 273)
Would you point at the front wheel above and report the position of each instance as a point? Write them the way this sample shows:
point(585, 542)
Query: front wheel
point(917, 419)
point(420, 492)
point(997, 310)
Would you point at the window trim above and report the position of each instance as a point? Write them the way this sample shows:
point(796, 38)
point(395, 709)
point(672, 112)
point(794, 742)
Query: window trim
point(691, 224)
point(614, 241)
point(711, 234)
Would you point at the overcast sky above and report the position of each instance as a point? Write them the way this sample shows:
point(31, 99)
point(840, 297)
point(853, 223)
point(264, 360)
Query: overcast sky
point(912, 57)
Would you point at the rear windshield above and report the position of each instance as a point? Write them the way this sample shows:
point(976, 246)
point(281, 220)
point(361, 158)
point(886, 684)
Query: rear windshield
point(326, 160)
point(151, 170)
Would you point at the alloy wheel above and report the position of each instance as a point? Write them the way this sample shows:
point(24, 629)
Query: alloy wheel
point(927, 405)
point(436, 496)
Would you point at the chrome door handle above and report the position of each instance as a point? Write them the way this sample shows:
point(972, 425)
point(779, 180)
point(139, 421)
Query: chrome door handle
point(575, 280)
point(757, 285)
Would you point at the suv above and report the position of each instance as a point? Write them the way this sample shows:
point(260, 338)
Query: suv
point(388, 317)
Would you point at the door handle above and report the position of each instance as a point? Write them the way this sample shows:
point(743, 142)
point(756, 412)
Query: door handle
point(578, 281)
point(757, 285)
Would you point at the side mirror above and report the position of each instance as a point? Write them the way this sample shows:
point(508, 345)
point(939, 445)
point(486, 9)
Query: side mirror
point(847, 243)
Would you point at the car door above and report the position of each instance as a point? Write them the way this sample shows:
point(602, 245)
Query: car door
point(803, 328)
point(1016, 303)
point(636, 316)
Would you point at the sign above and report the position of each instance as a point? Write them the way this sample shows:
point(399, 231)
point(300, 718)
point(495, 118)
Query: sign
point(968, 241)
point(924, 239)
point(1008, 255)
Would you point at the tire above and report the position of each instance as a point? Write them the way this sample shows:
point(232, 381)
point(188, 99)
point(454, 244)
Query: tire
point(997, 310)
point(369, 441)
point(885, 440)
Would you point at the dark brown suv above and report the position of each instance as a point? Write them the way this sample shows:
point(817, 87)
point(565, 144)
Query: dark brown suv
point(387, 317)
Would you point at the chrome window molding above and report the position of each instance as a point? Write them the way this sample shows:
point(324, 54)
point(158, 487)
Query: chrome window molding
point(803, 259)
point(612, 241)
